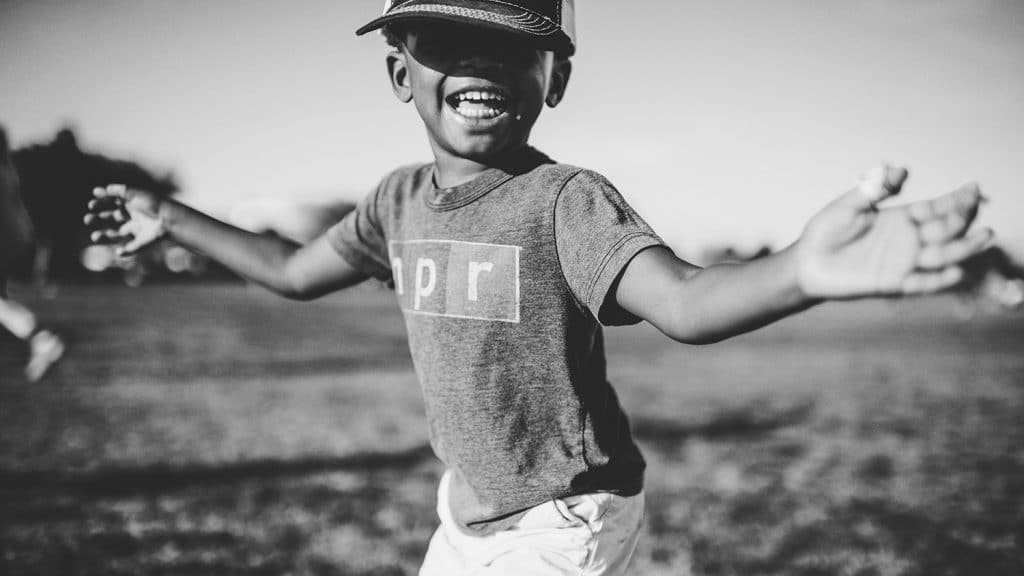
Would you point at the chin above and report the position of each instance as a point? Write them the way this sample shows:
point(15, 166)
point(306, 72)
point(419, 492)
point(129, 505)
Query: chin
point(482, 151)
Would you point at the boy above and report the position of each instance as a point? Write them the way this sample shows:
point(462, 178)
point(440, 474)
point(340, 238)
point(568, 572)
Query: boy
point(45, 347)
point(506, 264)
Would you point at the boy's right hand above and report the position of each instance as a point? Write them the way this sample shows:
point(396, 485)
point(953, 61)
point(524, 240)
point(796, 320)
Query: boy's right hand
point(127, 218)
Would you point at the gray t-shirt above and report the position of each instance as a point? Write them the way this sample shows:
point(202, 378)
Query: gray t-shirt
point(503, 284)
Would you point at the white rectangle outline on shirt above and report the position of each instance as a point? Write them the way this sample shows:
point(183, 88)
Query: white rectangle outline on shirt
point(460, 316)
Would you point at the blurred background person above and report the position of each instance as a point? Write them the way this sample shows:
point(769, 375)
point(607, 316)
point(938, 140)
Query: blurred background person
point(45, 347)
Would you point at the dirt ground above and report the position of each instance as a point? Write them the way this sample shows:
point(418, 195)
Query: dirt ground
point(216, 429)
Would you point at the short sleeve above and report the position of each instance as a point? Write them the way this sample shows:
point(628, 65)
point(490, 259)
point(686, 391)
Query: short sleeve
point(359, 237)
point(596, 234)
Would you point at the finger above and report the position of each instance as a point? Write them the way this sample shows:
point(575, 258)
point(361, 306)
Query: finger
point(963, 201)
point(111, 191)
point(97, 204)
point(137, 205)
point(110, 218)
point(932, 282)
point(118, 191)
point(882, 182)
point(938, 230)
point(108, 236)
point(875, 186)
point(116, 216)
point(130, 248)
point(939, 256)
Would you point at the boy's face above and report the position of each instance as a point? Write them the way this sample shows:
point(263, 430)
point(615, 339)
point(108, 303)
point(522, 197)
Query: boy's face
point(478, 92)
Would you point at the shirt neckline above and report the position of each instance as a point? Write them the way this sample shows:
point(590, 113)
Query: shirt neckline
point(443, 199)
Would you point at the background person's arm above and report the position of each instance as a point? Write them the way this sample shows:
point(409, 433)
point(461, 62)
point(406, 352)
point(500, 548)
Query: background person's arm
point(15, 223)
point(850, 249)
point(134, 219)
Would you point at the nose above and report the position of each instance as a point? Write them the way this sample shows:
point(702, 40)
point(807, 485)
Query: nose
point(481, 60)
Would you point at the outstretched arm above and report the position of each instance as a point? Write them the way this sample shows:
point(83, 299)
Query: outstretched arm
point(133, 219)
point(851, 249)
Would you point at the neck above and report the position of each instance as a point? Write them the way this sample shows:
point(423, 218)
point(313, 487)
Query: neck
point(451, 170)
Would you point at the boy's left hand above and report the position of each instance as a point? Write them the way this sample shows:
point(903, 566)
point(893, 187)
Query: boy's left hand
point(853, 249)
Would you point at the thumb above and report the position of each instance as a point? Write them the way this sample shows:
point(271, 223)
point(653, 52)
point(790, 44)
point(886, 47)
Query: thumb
point(878, 184)
point(141, 203)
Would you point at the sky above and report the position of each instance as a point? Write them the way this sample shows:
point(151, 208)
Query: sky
point(721, 121)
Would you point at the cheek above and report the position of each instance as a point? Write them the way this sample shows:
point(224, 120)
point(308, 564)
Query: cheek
point(537, 82)
point(426, 100)
point(534, 94)
point(424, 84)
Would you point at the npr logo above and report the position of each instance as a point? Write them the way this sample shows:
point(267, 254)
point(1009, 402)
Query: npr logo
point(457, 279)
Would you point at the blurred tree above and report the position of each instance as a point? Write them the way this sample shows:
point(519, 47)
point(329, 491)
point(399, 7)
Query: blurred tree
point(57, 179)
point(994, 281)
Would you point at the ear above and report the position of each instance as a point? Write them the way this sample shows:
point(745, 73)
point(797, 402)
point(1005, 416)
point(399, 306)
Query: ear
point(398, 73)
point(560, 72)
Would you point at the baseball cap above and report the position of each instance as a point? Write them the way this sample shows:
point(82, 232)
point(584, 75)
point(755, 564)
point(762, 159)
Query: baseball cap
point(550, 23)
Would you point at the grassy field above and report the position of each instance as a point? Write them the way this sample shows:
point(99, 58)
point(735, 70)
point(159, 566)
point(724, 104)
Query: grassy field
point(219, 430)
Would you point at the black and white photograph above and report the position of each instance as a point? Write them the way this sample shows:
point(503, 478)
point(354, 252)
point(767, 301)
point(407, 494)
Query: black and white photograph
point(512, 288)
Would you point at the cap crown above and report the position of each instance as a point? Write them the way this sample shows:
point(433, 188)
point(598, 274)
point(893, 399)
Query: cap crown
point(537, 18)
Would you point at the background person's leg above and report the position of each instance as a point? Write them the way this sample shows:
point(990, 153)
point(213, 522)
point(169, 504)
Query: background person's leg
point(45, 348)
point(17, 319)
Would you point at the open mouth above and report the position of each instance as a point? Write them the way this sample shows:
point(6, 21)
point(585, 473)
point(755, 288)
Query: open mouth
point(479, 104)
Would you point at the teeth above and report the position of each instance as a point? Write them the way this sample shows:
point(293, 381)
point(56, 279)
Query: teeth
point(478, 112)
point(479, 104)
point(479, 96)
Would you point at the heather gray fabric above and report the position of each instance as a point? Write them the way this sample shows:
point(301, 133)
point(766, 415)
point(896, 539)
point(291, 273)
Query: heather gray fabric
point(502, 283)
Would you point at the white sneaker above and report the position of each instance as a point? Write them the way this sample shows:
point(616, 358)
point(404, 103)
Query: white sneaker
point(46, 349)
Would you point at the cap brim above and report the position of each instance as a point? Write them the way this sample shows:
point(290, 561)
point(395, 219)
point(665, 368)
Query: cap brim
point(540, 31)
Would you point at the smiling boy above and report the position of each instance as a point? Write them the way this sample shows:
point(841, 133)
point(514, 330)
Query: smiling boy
point(506, 265)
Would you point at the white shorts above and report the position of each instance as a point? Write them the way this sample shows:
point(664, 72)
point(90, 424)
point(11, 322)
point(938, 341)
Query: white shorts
point(590, 534)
